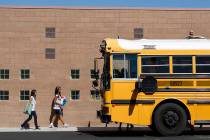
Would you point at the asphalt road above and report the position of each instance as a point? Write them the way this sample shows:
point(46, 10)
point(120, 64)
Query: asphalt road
point(104, 134)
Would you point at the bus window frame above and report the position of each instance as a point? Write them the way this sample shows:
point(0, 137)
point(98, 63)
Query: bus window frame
point(200, 64)
point(182, 64)
point(156, 65)
point(124, 56)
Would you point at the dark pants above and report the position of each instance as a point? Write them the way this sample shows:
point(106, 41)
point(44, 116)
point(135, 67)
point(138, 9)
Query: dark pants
point(33, 113)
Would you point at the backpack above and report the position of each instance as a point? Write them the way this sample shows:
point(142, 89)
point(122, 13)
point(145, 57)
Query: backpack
point(28, 108)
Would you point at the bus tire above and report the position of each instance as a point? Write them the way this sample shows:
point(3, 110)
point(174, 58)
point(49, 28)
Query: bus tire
point(170, 119)
point(152, 127)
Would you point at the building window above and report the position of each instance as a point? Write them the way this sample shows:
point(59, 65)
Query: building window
point(24, 95)
point(50, 53)
point(125, 66)
point(4, 74)
point(75, 74)
point(75, 95)
point(182, 64)
point(202, 64)
point(50, 32)
point(138, 33)
point(155, 64)
point(4, 95)
point(25, 73)
point(95, 95)
point(94, 75)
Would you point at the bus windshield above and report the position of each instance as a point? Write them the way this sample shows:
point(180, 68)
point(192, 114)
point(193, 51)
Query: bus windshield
point(105, 77)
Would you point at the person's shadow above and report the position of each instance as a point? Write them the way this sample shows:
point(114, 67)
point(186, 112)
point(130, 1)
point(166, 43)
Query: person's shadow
point(133, 101)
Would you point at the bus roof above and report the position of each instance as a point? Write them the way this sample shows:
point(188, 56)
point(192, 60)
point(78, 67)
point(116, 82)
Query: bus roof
point(160, 44)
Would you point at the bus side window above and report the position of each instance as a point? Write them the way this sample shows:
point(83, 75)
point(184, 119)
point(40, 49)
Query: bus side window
point(182, 64)
point(155, 64)
point(202, 64)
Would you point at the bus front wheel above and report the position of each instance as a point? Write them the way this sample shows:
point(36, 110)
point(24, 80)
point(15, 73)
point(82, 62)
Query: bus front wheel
point(170, 119)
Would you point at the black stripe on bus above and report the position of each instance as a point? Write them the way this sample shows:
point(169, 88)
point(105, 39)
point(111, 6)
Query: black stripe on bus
point(198, 102)
point(177, 76)
point(132, 101)
point(183, 90)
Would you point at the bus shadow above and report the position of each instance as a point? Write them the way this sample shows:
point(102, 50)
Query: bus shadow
point(134, 132)
point(116, 132)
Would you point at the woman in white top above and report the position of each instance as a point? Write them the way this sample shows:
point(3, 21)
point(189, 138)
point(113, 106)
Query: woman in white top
point(33, 111)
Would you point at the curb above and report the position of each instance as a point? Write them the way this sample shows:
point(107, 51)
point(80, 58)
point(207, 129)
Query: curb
point(42, 129)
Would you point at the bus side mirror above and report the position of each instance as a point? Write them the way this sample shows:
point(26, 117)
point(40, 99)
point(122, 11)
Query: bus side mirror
point(96, 70)
point(138, 85)
point(96, 74)
point(95, 83)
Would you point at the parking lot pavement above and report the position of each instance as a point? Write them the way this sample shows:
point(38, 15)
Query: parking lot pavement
point(97, 133)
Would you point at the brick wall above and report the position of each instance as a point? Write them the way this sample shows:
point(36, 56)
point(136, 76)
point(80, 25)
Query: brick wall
point(78, 35)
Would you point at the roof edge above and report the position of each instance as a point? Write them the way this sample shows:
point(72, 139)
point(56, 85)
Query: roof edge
point(101, 8)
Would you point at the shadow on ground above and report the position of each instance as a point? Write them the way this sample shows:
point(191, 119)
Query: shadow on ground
point(134, 132)
point(116, 132)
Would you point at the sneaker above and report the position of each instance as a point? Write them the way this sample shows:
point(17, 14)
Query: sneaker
point(37, 128)
point(22, 127)
point(65, 125)
point(51, 125)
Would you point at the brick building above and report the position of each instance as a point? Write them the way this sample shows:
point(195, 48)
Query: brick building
point(44, 47)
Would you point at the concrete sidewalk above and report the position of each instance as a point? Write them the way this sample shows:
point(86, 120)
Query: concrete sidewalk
point(69, 129)
point(42, 129)
point(88, 129)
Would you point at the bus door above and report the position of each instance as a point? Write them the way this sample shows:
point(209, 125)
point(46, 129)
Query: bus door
point(124, 76)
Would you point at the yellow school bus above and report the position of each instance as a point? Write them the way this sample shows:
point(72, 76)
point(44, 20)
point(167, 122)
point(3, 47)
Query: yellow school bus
point(163, 84)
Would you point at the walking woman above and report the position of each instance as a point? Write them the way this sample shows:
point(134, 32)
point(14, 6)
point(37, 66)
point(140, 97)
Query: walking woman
point(52, 114)
point(57, 109)
point(32, 101)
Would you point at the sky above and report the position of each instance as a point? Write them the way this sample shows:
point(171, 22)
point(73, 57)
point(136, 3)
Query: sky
point(111, 3)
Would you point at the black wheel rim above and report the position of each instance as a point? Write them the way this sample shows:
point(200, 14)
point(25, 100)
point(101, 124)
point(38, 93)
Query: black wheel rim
point(171, 119)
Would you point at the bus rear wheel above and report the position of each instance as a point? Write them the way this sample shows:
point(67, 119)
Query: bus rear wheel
point(170, 119)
